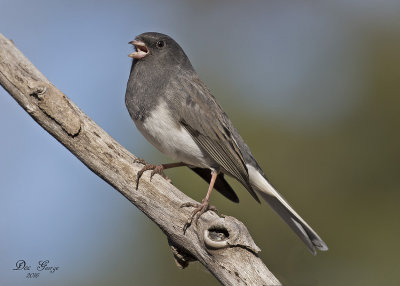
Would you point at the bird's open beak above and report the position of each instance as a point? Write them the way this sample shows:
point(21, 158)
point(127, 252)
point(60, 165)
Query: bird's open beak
point(140, 50)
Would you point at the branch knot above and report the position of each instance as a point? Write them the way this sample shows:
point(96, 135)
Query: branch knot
point(56, 105)
point(228, 232)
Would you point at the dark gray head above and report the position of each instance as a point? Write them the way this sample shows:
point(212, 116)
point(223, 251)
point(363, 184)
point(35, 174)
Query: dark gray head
point(160, 50)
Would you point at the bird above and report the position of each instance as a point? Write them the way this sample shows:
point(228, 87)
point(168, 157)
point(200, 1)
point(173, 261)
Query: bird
point(176, 112)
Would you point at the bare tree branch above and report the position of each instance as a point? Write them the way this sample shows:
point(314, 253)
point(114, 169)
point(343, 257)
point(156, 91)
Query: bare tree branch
point(222, 245)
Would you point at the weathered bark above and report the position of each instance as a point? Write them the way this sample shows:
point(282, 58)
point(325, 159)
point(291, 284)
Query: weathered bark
point(222, 245)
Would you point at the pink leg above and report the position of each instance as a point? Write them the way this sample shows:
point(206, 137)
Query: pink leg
point(204, 206)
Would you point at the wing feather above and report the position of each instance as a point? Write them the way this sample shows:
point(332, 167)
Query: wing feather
point(211, 129)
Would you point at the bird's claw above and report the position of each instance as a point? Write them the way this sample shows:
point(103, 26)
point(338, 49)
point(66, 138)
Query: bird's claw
point(156, 169)
point(159, 169)
point(199, 210)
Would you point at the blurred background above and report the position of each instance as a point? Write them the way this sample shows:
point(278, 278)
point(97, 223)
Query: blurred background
point(312, 86)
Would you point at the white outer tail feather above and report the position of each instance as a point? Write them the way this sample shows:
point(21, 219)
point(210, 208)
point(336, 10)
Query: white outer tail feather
point(285, 211)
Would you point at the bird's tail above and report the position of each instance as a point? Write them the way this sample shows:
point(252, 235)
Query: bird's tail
point(285, 211)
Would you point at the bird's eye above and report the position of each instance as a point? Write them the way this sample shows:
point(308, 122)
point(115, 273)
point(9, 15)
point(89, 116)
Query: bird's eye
point(160, 44)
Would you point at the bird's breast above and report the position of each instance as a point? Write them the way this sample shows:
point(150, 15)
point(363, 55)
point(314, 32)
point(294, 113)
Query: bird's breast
point(165, 133)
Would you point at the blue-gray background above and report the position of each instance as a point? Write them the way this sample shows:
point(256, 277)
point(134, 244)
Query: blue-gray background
point(312, 86)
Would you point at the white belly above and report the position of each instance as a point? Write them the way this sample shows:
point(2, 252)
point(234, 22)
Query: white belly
point(170, 138)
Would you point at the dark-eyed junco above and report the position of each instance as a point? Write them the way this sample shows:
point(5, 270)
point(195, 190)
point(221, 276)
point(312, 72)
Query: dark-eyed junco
point(176, 112)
